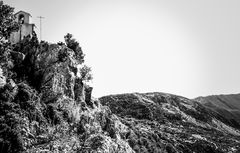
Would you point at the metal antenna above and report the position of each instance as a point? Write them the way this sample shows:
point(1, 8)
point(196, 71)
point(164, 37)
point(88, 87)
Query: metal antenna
point(40, 18)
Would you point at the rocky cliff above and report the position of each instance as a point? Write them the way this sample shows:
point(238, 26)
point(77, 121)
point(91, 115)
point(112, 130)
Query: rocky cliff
point(42, 102)
point(46, 105)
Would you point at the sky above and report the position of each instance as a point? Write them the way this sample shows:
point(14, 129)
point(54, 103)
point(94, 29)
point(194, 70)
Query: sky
point(185, 47)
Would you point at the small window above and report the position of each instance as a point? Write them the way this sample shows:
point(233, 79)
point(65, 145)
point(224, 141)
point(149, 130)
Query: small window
point(21, 18)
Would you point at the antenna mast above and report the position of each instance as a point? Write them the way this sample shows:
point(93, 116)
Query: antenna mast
point(40, 18)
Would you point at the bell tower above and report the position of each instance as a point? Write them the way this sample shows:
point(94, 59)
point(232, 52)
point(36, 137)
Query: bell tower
point(26, 27)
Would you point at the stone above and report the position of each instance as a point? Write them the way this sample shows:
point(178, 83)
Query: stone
point(2, 79)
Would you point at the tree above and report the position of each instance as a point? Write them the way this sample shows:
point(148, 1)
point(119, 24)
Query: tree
point(74, 45)
point(7, 21)
point(7, 26)
point(85, 73)
point(71, 43)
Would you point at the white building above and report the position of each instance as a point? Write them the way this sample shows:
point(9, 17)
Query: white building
point(26, 27)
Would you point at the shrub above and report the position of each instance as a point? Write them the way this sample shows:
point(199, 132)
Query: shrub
point(63, 54)
point(85, 73)
point(7, 21)
point(74, 45)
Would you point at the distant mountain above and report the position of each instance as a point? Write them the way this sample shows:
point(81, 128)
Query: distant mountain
point(160, 122)
point(224, 106)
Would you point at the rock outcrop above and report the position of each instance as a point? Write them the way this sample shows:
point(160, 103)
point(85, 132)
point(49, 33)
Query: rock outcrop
point(50, 108)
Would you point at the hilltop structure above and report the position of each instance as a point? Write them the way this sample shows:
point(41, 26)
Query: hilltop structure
point(26, 27)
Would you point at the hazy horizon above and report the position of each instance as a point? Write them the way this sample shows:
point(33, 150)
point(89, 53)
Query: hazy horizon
point(188, 48)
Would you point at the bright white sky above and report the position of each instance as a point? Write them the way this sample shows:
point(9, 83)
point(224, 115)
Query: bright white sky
point(190, 48)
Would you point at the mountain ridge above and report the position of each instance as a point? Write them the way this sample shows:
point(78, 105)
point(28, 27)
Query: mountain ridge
point(173, 113)
point(225, 105)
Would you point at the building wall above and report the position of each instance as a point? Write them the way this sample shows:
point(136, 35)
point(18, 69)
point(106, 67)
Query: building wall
point(26, 29)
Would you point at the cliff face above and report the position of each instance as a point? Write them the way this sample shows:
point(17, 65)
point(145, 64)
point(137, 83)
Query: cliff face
point(60, 76)
point(51, 109)
point(47, 107)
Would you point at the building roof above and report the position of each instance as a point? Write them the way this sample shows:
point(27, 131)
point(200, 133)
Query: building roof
point(23, 12)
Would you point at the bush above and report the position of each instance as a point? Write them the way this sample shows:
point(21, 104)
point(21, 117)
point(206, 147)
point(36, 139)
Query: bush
point(74, 45)
point(63, 54)
point(85, 73)
point(6, 62)
point(9, 122)
point(7, 21)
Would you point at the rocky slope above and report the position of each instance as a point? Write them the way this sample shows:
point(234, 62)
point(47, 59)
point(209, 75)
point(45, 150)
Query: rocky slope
point(47, 107)
point(159, 122)
point(224, 106)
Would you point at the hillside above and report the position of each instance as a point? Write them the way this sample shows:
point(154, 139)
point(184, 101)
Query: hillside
point(159, 122)
point(225, 106)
